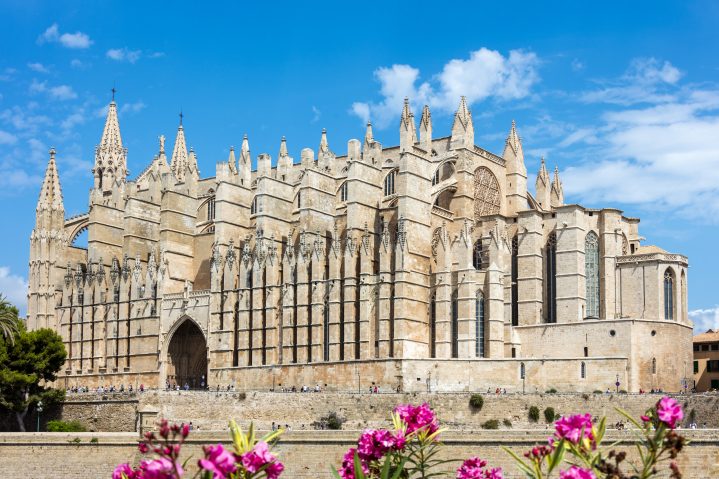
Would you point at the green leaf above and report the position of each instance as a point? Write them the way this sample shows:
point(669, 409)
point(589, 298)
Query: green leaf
point(359, 473)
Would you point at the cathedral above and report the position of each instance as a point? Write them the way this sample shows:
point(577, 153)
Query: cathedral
point(427, 266)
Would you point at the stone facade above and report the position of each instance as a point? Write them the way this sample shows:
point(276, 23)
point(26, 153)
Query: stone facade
point(706, 361)
point(423, 265)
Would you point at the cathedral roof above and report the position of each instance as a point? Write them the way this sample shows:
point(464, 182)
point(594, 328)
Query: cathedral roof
point(709, 336)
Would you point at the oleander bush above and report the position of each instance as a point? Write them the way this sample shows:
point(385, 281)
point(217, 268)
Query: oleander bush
point(410, 449)
point(490, 424)
point(549, 414)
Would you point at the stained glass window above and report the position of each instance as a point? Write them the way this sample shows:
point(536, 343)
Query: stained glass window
point(669, 294)
point(479, 325)
point(550, 279)
point(591, 268)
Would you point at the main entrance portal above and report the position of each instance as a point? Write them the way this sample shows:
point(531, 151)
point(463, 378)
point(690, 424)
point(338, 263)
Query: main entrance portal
point(187, 357)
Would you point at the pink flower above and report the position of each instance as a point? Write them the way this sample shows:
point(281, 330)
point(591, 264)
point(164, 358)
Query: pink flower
point(574, 428)
point(575, 472)
point(219, 461)
point(260, 455)
point(645, 418)
point(417, 417)
point(347, 471)
point(161, 468)
point(375, 443)
point(143, 447)
point(669, 411)
point(472, 468)
point(123, 469)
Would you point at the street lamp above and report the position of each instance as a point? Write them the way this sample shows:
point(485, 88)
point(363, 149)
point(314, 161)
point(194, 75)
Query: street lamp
point(39, 410)
point(617, 383)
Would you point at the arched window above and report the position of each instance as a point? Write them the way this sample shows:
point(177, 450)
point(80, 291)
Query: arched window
point(654, 365)
point(343, 191)
point(550, 279)
point(455, 325)
point(435, 178)
point(326, 330)
point(389, 183)
point(669, 294)
point(253, 206)
point(433, 326)
point(515, 282)
point(443, 172)
point(479, 325)
point(211, 209)
point(521, 371)
point(478, 256)
point(583, 370)
point(591, 268)
point(486, 193)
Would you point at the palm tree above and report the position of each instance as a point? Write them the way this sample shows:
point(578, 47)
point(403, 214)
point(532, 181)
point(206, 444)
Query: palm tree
point(8, 319)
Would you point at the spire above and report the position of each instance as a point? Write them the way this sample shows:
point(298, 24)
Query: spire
point(180, 160)
point(463, 128)
point(425, 129)
point(245, 165)
point(50, 193)
point(516, 172)
point(283, 147)
point(368, 137)
point(284, 161)
point(231, 160)
point(557, 196)
point(110, 155)
point(111, 134)
point(407, 129)
point(543, 187)
point(513, 145)
point(324, 146)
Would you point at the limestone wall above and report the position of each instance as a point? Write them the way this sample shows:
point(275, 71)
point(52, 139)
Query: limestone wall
point(305, 453)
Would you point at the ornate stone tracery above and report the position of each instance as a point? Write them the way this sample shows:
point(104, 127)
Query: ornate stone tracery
point(486, 193)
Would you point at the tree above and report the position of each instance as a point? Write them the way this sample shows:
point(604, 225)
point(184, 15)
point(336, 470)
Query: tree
point(8, 319)
point(27, 365)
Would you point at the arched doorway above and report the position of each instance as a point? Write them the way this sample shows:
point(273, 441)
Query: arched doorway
point(187, 357)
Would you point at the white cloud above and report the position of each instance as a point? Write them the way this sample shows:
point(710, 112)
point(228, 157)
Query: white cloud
point(14, 287)
point(124, 54)
point(75, 63)
point(705, 319)
point(7, 138)
point(60, 92)
point(577, 65)
point(485, 74)
point(316, 114)
point(38, 67)
point(77, 118)
point(77, 40)
point(132, 107)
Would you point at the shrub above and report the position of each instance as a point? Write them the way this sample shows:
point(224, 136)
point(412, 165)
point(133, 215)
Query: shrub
point(65, 426)
point(533, 414)
point(490, 424)
point(476, 401)
point(549, 414)
point(331, 421)
point(597, 391)
point(507, 423)
point(551, 391)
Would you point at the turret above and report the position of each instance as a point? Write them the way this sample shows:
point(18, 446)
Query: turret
point(284, 162)
point(516, 172)
point(47, 243)
point(557, 196)
point(462, 128)
point(324, 154)
point(180, 157)
point(425, 130)
point(543, 187)
point(231, 160)
point(110, 156)
point(407, 130)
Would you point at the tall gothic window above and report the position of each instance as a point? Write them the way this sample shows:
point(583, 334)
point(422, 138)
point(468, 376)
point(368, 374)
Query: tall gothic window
point(515, 283)
point(522, 371)
point(455, 325)
point(487, 196)
point(591, 267)
point(326, 329)
point(433, 326)
point(253, 206)
point(669, 294)
point(435, 178)
point(583, 370)
point(550, 279)
point(389, 183)
point(343, 191)
point(211, 209)
point(479, 325)
point(477, 256)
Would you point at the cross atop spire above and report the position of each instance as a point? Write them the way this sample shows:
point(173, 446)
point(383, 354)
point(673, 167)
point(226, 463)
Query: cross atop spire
point(113, 92)
point(181, 117)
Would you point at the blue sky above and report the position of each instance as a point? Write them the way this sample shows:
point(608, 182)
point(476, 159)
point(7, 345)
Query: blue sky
point(622, 96)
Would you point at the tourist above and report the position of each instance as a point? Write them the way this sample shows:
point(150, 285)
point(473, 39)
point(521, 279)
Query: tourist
point(142, 388)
